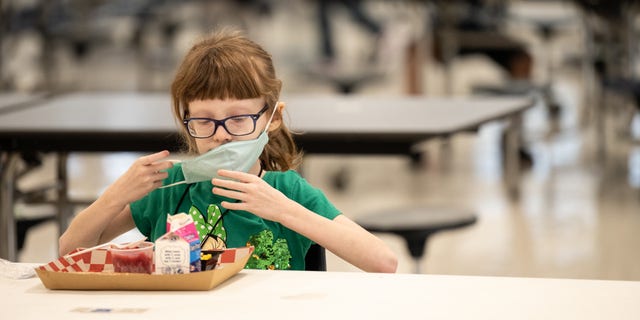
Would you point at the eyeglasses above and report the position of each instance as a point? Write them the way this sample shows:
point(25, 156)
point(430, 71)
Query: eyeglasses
point(240, 125)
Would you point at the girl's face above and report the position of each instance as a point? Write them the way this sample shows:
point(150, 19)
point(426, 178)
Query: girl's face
point(221, 109)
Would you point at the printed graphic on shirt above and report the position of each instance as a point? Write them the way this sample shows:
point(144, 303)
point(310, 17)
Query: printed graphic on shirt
point(211, 229)
point(268, 254)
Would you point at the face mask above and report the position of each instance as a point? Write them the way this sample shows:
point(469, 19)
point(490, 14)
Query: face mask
point(235, 156)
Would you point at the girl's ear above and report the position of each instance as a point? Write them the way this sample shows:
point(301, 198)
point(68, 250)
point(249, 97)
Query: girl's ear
point(277, 117)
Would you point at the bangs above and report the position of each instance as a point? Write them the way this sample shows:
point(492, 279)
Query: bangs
point(223, 75)
point(224, 66)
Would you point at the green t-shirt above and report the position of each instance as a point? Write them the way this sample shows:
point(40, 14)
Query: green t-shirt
point(150, 212)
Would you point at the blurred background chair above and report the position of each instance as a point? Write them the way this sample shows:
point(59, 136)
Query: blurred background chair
point(316, 258)
point(612, 33)
point(463, 28)
point(416, 225)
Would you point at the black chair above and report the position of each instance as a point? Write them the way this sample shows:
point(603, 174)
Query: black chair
point(316, 259)
point(416, 224)
point(31, 161)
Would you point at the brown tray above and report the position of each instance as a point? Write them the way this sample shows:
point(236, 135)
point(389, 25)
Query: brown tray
point(205, 280)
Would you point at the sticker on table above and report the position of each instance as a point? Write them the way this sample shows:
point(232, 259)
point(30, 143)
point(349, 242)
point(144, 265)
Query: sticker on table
point(108, 310)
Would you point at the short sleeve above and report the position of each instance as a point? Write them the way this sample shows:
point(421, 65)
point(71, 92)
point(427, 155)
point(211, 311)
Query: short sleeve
point(296, 188)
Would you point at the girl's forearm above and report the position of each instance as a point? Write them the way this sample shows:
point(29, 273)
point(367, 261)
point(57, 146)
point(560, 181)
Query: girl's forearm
point(342, 237)
point(88, 227)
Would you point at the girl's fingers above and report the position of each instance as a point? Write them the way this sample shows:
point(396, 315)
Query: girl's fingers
point(159, 176)
point(150, 159)
point(233, 205)
point(159, 166)
point(229, 193)
point(157, 184)
point(236, 175)
point(228, 184)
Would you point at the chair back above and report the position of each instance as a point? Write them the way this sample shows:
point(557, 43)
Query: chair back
point(316, 259)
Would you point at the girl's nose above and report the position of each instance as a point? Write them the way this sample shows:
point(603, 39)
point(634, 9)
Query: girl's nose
point(221, 134)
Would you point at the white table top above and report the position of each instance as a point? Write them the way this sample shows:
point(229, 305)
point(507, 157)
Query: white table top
point(399, 114)
point(96, 111)
point(554, 13)
point(255, 294)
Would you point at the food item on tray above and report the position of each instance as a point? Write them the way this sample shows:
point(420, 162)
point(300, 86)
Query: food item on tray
point(209, 259)
point(133, 260)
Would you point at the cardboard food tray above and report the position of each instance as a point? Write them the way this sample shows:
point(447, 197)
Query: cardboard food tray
point(69, 278)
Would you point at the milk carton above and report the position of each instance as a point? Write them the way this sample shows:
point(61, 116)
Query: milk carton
point(179, 227)
point(172, 254)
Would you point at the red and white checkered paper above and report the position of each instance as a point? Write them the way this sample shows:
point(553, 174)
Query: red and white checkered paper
point(99, 260)
point(234, 254)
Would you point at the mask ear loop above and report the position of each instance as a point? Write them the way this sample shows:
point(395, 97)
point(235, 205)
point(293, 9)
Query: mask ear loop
point(173, 184)
point(271, 118)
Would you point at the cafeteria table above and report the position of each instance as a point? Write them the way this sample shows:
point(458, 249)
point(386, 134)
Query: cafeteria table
point(134, 121)
point(11, 101)
point(265, 294)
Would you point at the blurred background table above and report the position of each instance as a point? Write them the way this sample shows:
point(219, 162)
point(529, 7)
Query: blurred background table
point(119, 122)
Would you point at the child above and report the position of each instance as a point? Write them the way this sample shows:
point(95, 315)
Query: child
point(225, 95)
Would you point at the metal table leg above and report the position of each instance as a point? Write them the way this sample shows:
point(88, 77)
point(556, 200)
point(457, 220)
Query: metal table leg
point(63, 203)
point(512, 157)
point(8, 169)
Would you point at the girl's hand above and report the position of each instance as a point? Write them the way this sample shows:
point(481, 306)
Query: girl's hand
point(144, 175)
point(253, 194)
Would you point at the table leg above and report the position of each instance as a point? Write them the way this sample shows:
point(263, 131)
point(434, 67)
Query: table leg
point(413, 68)
point(600, 134)
point(417, 264)
point(512, 157)
point(7, 217)
point(63, 203)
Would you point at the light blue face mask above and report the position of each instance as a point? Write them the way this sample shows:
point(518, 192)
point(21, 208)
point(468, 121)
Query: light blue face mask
point(235, 156)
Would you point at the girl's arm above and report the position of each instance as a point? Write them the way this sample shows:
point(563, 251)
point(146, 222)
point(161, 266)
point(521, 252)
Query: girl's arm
point(344, 238)
point(93, 226)
point(110, 215)
point(341, 236)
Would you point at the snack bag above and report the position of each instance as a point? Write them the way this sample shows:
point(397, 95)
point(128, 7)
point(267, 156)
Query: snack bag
point(182, 225)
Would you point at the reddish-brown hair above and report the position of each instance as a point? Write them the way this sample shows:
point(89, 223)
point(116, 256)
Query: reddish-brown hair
point(227, 65)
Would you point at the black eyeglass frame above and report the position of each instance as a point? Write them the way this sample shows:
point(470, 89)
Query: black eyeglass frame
point(221, 123)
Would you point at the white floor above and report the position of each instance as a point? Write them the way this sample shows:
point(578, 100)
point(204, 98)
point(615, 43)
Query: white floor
point(578, 217)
